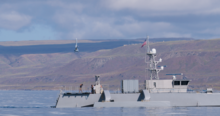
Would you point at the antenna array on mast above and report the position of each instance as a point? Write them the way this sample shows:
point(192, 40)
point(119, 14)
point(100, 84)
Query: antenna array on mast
point(153, 63)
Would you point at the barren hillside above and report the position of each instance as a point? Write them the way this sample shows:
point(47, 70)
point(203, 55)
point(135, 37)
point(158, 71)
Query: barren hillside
point(197, 59)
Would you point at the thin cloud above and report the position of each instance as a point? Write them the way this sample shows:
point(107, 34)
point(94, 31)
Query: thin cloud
point(165, 7)
point(110, 19)
point(13, 20)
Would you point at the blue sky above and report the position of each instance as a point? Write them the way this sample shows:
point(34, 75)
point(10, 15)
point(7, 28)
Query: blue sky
point(108, 19)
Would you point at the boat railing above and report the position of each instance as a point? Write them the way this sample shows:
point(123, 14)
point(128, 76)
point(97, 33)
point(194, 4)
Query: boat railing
point(171, 90)
point(74, 89)
point(86, 89)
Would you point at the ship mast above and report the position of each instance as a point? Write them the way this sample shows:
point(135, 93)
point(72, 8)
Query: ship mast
point(153, 63)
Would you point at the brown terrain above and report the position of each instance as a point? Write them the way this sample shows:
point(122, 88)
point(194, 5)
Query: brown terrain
point(198, 60)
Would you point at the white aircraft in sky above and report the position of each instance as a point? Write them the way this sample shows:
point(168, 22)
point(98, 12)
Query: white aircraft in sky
point(76, 47)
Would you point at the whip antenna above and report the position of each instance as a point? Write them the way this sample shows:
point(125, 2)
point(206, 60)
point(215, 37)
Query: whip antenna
point(148, 47)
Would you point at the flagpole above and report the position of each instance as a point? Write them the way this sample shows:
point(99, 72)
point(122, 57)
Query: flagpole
point(148, 47)
point(145, 52)
point(148, 51)
point(146, 61)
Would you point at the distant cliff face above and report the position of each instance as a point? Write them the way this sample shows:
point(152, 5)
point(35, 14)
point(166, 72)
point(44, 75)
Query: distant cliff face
point(198, 60)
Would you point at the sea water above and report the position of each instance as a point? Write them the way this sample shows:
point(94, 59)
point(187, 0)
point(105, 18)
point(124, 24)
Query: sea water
point(37, 103)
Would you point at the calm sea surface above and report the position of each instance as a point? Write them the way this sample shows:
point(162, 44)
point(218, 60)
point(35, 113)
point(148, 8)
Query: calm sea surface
point(37, 103)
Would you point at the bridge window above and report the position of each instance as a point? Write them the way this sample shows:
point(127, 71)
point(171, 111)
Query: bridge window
point(184, 82)
point(176, 82)
point(155, 84)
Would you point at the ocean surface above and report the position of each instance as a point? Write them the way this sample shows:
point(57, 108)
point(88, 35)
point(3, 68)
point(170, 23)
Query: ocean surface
point(37, 103)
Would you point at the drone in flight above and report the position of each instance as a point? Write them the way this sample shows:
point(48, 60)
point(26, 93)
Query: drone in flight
point(76, 47)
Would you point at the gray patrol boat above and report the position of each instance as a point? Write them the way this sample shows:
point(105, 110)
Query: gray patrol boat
point(157, 93)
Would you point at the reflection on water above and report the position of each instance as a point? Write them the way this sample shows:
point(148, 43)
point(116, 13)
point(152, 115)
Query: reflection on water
point(35, 103)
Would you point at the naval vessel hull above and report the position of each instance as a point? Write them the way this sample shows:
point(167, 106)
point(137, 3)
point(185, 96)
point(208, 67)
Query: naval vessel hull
point(157, 92)
point(137, 100)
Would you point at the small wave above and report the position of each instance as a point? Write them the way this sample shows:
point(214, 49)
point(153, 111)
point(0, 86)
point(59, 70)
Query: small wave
point(10, 115)
point(176, 113)
point(58, 113)
point(22, 107)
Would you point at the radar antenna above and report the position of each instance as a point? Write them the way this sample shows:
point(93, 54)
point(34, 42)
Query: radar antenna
point(174, 75)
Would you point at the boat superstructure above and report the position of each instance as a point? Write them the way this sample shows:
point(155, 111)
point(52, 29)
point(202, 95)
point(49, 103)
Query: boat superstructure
point(155, 84)
point(157, 93)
